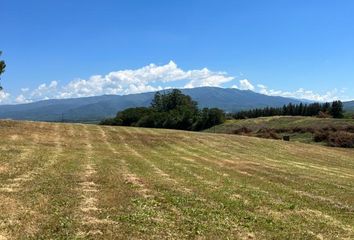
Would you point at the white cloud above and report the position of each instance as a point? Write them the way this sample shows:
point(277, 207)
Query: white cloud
point(246, 85)
point(205, 77)
point(25, 89)
point(4, 96)
point(152, 78)
point(44, 90)
point(138, 80)
point(142, 80)
point(22, 99)
point(301, 93)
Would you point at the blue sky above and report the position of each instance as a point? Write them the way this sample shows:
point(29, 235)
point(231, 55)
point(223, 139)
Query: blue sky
point(57, 49)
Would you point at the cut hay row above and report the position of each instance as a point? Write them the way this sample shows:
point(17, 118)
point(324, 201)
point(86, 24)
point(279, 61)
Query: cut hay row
point(89, 210)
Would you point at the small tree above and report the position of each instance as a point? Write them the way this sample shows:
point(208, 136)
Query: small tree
point(2, 68)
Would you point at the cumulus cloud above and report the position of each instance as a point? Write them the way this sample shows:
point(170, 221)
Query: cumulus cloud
point(205, 77)
point(301, 93)
point(4, 96)
point(246, 85)
point(145, 79)
point(152, 78)
point(45, 91)
point(22, 99)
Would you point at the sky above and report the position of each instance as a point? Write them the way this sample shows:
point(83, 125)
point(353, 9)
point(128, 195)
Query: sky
point(62, 49)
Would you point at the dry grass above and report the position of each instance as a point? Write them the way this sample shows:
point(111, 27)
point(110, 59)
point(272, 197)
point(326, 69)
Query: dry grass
point(74, 181)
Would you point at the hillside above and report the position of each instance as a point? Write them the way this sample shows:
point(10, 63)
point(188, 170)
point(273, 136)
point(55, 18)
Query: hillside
point(97, 108)
point(349, 106)
point(75, 181)
point(284, 125)
point(281, 122)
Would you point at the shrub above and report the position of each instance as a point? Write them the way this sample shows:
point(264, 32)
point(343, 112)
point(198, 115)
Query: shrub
point(341, 139)
point(131, 116)
point(110, 121)
point(350, 129)
point(320, 136)
point(282, 130)
point(302, 130)
point(268, 133)
point(297, 129)
point(323, 115)
point(242, 130)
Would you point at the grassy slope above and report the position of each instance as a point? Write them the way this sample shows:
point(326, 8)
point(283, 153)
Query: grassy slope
point(85, 181)
point(278, 122)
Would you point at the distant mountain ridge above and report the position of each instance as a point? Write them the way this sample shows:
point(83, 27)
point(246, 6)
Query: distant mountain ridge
point(99, 107)
point(349, 106)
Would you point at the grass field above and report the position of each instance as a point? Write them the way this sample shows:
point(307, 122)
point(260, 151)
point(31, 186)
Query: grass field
point(76, 181)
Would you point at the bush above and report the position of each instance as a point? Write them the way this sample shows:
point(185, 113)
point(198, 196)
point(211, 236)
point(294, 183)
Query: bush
point(323, 115)
point(320, 136)
point(110, 121)
point(297, 130)
point(146, 121)
point(268, 133)
point(341, 139)
point(350, 129)
point(282, 130)
point(242, 130)
point(131, 116)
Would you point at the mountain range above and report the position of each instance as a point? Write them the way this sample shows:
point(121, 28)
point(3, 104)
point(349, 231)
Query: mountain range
point(349, 106)
point(93, 109)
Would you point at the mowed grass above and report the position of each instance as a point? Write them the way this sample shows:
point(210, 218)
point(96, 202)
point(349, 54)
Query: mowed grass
point(76, 181)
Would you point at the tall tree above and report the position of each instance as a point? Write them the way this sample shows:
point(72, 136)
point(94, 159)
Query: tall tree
point(337, 109)
point(2, 68)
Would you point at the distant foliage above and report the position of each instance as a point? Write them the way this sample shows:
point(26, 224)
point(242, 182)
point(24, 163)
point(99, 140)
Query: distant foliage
point(314, 109)
point(2, 68)
point(172, 110)
point(335, 138)
point(336, 109)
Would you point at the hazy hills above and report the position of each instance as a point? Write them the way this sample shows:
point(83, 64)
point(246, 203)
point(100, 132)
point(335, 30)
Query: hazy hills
point(99, 107)
point(349, 106)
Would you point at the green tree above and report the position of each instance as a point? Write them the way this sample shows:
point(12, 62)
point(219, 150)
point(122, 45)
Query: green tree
point(173, 100)
point(337, 109)
point(2, 68)
point(130, 116)
point(169, 110)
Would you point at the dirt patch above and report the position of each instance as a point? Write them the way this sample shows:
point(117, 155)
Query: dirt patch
point(132, 179)
point(4, 168)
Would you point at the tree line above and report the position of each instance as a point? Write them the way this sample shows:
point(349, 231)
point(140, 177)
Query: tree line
point(172, 110)
point(334, 109)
